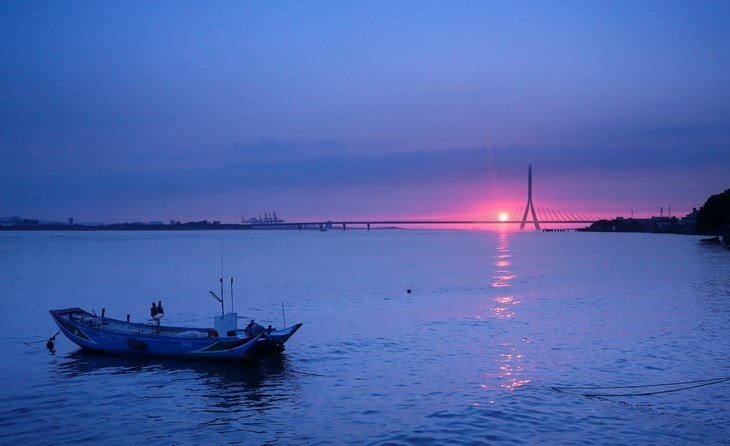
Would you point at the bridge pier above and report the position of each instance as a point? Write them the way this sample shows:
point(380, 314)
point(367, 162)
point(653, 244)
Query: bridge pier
point(344, 226)
point(368, 226)
point(530, 206)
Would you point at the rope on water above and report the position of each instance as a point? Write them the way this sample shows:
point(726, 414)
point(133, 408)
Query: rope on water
point(686, 386)
point(305, 373)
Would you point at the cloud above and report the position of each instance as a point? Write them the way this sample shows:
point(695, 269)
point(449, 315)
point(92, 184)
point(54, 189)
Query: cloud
point(271, 149)
point(272, 164)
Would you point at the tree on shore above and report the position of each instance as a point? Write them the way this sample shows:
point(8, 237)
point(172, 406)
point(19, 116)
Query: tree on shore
point(714, 215)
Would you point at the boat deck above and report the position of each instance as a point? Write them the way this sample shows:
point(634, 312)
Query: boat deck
point(80, 316)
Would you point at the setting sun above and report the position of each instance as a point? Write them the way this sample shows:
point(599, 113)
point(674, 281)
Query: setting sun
point(503, 216)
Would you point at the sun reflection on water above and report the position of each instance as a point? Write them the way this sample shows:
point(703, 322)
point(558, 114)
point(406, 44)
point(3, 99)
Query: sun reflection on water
point(509, 362)
point(510, 368)
point(509, 371)
point(502, 279)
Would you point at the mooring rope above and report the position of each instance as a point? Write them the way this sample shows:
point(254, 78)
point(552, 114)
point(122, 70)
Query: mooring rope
point(687, 385)
point(305, 373)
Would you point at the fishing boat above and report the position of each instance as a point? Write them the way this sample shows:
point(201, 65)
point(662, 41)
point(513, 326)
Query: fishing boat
point(222, 341)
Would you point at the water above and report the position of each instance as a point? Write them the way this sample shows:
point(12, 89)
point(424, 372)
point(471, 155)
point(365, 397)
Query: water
point(494, 321)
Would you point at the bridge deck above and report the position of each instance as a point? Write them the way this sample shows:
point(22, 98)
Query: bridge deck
point(369, 223)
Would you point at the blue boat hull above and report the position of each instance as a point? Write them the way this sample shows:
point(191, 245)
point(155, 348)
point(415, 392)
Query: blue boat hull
point(271, 340)
point(114, 336)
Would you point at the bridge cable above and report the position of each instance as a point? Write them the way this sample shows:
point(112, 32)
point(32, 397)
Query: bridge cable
point(555, 215)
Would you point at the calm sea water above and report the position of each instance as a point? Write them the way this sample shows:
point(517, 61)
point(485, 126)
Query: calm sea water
point(494, 322)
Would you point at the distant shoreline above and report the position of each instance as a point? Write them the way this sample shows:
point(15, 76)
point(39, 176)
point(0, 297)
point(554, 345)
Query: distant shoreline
point(190, 226)
point(619, 225)
point(132, 227)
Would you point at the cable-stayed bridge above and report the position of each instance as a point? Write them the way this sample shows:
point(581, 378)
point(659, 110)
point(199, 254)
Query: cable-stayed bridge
point(537, 215)
point(513, 216)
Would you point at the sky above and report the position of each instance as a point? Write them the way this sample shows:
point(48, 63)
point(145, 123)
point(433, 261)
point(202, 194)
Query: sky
point(117, 111)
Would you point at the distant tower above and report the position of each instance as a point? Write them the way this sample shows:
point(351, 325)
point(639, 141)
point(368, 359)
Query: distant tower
point(530, 206)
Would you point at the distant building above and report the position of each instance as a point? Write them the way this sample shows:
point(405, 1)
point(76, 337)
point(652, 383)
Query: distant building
point(690, 219)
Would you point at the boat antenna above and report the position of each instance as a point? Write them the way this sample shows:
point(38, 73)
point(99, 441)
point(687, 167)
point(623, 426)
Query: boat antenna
point(231, 293)
point(223, 312)
point(283, 315)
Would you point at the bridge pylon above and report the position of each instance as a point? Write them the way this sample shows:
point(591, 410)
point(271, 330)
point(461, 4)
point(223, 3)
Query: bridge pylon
point(530, 206)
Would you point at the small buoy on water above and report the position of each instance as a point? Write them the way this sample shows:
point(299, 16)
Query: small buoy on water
point(408, 291)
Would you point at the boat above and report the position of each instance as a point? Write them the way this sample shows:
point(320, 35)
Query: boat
point(714, 240)
point(223, 341)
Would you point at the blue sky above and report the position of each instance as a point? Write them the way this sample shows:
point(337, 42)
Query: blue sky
point(136, 111)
